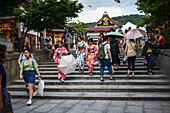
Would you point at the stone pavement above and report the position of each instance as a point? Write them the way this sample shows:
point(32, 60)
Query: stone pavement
point(90, 106)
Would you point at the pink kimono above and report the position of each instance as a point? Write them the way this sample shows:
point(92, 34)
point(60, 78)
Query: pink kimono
point(90, 52)
point(57, 58)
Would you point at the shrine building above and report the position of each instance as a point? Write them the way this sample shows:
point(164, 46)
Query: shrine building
point(103, 25)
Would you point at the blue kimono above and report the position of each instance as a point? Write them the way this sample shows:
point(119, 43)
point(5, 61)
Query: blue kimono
point(150, 51)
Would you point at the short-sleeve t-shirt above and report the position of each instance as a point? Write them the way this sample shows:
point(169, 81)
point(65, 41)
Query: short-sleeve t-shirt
point(28, 65)
point(106, 47)
point(2, 71)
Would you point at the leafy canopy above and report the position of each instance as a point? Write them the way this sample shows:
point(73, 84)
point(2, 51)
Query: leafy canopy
point(47, 14)
point(157, 10)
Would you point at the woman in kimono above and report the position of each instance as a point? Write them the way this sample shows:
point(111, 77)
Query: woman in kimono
point(90, 53)
point(60, 51)
point(149, 53)
point(80, 49)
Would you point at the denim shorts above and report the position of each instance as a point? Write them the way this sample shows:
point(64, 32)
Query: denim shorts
point(29, 77)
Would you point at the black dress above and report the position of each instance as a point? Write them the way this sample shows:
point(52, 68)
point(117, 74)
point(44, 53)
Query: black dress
point(114, 52)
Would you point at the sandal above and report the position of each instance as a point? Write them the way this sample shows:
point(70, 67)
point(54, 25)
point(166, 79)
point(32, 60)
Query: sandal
point(149, 73)
point(91, 74)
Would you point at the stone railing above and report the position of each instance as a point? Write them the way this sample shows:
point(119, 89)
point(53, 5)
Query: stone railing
point(164, 62)
point(11, 64)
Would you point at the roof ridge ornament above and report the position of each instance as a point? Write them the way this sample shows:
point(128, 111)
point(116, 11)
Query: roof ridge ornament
point(105, 13)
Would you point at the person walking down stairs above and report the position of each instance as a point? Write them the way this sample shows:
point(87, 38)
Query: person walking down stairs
point(28, 69)
point(80, 51)
point(60, 51)
point(90, 54)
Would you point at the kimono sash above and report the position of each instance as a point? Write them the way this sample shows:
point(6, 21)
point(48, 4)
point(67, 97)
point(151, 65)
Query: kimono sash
point(60, 55)
point(91, 50)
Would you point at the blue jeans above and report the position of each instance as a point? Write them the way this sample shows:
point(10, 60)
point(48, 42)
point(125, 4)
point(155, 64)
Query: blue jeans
point(102, 66)
point(131, 62)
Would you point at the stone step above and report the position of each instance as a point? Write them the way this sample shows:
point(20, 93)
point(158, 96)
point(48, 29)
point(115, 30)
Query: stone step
point(97, 82)
point(75, 77)
point(54, 65)
point(42, 63)
point(98, 68)
point(97, 88)
point(139, 58)
point(98, 95)
point(122, 72)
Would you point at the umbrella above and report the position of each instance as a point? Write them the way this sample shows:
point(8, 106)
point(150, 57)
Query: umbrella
point(115, 35)
point(68, 64)
point(135, 33)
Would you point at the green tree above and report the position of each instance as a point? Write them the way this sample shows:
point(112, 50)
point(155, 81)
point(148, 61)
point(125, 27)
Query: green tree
point(157, 11)
point(79, 26)
point(46, 14)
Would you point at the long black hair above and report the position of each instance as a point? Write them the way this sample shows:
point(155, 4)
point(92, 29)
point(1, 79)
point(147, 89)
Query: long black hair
point(101, 34)
point(113, 40)
point(3, 48)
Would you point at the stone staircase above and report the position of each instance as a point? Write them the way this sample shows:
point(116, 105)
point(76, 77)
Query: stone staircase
point(83, 86)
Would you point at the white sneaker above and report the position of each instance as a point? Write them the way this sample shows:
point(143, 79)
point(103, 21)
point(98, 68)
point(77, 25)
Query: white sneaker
point(35, 93)
point(29, 102)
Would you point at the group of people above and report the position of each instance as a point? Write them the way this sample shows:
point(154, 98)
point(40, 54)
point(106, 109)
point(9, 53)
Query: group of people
point(107, 53)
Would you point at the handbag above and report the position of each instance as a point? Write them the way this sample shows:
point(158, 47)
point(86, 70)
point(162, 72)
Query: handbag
point(145, 62)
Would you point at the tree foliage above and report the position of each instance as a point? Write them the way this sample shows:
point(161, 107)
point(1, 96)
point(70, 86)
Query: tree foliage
point(157, 10)
point(79, 26)
point(135, 19)
point(46, 14)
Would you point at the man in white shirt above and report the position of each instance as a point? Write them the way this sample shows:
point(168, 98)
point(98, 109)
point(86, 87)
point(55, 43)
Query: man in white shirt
point(107, 60)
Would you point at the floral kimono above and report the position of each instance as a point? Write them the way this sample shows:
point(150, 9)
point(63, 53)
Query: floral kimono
point(80, 49)
point(91, 52)
point(57, 58)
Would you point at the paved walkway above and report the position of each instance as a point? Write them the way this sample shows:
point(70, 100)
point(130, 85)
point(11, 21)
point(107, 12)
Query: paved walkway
point(90, 106)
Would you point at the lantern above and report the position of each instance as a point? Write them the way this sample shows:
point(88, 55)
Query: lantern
point(8, 25)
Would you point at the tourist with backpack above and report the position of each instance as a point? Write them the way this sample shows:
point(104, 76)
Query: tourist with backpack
point(27, 72)
point(21, 58)
point(104, 55)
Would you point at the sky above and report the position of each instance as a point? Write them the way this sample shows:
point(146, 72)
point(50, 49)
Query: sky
point(98, 7)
